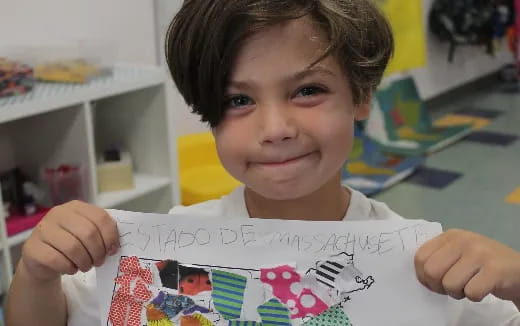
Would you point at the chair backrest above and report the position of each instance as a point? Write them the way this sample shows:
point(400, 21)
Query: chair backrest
point(402, 106)
point(197, 150)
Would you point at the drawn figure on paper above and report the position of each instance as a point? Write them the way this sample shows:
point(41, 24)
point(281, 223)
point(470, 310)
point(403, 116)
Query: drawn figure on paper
point(339, 273)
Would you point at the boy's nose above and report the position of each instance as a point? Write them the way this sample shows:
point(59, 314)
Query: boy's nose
point(276, 124)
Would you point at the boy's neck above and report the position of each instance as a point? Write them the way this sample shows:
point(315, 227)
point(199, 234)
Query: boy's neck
point(330, 203)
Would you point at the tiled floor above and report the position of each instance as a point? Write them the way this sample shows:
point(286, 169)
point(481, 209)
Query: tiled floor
point(476, 201)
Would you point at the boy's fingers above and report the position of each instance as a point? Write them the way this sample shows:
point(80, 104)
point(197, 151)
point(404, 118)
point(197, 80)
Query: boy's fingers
point(69, 246)
point(456, 279)
point(106, 225)
point(429, 248)
point(45, 255)
point(438, 264)
point(83, 229)
point(480, 285)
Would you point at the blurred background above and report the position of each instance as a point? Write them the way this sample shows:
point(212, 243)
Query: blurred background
point(88, 111)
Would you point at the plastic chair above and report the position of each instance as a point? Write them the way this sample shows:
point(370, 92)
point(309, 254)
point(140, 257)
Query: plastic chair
point(202, 176)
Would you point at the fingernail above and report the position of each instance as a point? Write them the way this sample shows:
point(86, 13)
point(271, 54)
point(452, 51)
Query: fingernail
point(113, 250)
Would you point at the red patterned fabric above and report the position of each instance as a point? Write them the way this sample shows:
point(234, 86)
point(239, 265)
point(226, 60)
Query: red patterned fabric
point(132, 294)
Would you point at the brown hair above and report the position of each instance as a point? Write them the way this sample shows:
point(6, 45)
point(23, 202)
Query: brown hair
point(205, 36)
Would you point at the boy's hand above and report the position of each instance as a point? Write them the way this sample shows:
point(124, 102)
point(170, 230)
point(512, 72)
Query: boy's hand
point(71, 237)
point(465, 264)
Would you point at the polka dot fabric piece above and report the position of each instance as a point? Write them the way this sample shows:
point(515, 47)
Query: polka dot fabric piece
point(286, 285)
point(335, 316)
point(132, 293)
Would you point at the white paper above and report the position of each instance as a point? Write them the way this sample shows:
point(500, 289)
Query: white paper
point(379, 281)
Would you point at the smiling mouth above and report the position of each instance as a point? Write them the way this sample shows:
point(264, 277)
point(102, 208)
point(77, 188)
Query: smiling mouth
point(291, 160)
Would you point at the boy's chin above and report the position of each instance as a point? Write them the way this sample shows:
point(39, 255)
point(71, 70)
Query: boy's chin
point(283, 192)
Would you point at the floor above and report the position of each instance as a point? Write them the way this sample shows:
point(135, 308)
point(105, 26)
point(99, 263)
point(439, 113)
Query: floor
point(476, 200)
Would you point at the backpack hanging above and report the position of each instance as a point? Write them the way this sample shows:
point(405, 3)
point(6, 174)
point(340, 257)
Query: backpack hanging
point(470, 22)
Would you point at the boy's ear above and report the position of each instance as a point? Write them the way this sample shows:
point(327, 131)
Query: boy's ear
point(362, 111)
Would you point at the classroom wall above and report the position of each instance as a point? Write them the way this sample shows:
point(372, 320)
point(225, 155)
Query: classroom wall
point(469, 64)
point(128, 24)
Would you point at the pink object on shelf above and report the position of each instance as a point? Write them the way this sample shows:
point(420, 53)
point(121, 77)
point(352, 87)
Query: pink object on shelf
point(64, 183)
point(19, 223)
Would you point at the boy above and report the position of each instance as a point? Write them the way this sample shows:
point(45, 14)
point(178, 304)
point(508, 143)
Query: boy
point(281, 83)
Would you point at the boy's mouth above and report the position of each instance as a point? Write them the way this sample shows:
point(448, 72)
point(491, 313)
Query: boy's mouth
point(285, 161)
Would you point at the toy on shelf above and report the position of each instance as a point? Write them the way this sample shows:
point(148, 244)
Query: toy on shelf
point(15, 78)
point(64, 183)
point(400, 123)
point(370, 170)
point(20, 195)
point(115, 171)
point(69, 71)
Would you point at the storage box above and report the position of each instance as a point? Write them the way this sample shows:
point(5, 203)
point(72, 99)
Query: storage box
point(117, 175)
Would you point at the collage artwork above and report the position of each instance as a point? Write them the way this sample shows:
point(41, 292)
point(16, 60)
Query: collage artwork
point(172, 293)
point(190, 271)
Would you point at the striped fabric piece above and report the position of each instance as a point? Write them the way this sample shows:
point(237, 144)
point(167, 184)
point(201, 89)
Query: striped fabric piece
point(228, 293)
point(328, 271)
point(335, 316)
point(273, 313)
point(243, 323)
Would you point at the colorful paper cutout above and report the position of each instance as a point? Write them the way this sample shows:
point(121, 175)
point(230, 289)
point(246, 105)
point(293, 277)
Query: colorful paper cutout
point(193, 280)
point(243, 323)
point(169, 273)
point(155, 317)
point(273, 313)
point(335, 316)
point(287, 287)
point(340, 273)
point(172, 305)
point(195, 320)
point(228, 293)
point(132, 293)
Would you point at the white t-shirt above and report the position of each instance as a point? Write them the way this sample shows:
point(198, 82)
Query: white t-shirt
point(80, 288)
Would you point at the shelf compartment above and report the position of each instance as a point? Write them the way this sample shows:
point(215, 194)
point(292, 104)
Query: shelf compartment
point(144, 184)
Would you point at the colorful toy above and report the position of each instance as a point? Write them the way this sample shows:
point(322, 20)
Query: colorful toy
point(15, 78)
point(71, 71)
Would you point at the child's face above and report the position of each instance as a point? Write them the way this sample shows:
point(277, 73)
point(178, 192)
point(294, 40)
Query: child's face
point(287, 130)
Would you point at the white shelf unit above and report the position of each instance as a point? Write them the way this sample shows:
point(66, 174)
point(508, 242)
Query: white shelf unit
point(59, 123)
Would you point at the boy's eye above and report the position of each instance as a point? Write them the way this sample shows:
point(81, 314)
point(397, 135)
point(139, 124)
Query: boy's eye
point(310, 91)
point(238, 101)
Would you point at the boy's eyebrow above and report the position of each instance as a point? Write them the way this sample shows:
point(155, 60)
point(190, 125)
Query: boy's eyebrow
point(247, 84)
